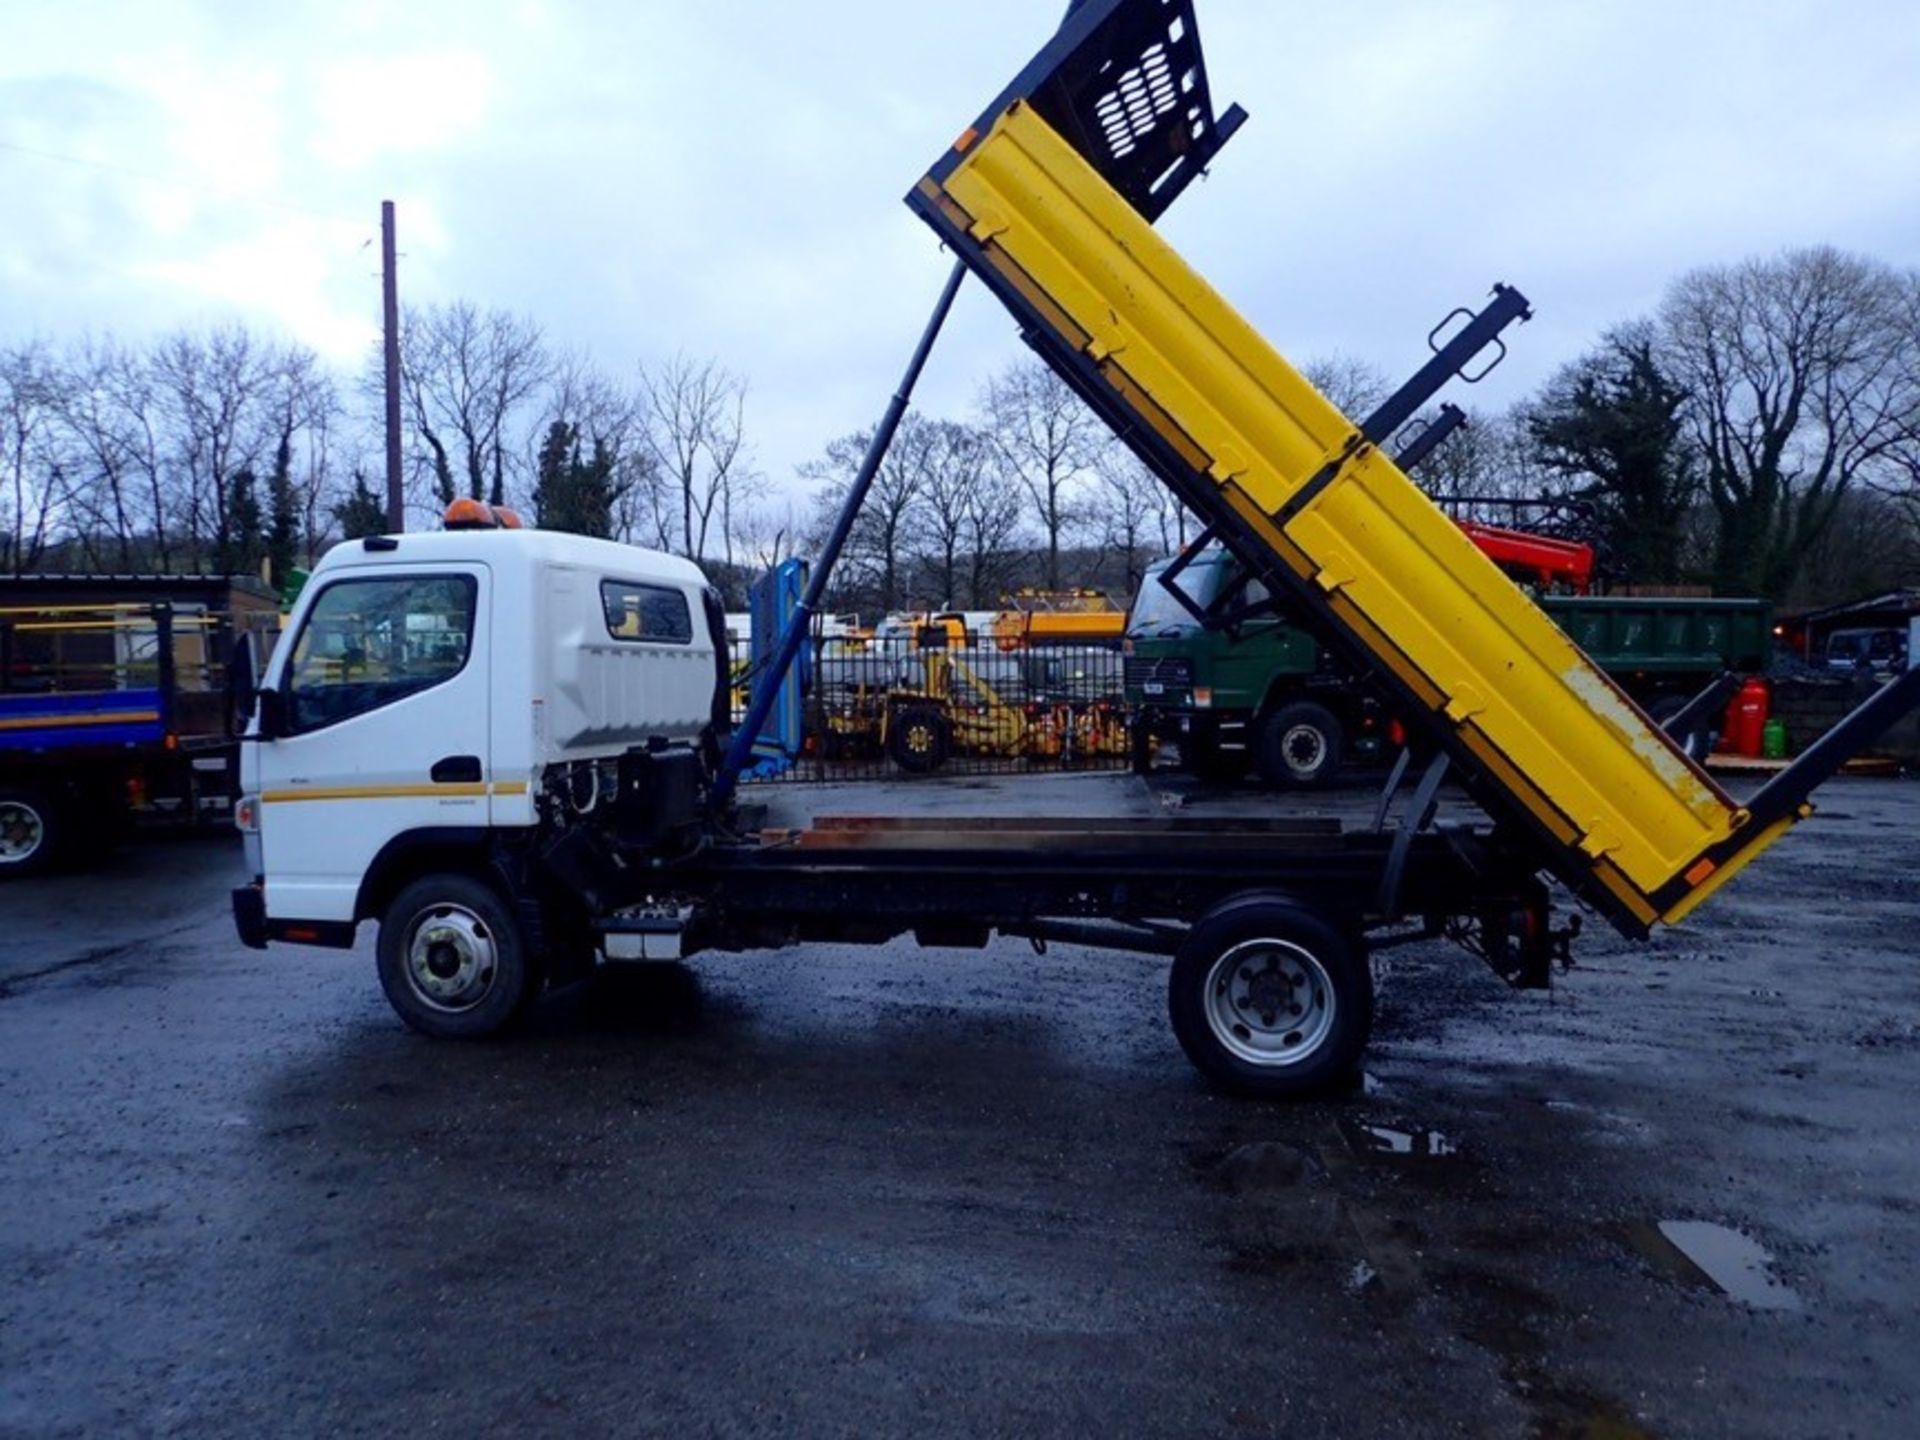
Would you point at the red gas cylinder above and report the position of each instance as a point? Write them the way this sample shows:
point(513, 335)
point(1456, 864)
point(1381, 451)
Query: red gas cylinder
point(1747, 718)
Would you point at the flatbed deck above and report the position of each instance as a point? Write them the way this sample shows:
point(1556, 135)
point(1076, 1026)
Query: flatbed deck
point(871, 878)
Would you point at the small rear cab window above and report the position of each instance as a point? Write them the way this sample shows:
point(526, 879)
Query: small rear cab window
point(652, 614)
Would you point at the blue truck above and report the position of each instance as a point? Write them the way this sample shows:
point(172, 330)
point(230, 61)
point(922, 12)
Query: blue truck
point(113, 705)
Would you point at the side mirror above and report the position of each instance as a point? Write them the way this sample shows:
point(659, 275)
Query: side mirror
point(272, 707)
point(243, 685)
point(247, 702)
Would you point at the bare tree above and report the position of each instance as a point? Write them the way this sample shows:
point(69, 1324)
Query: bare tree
point(1900, 476)
point(1872, 545)
point(466, 376)
point(1355, 386)
point(993, 518)
point(1491, 456)
point(959, 463)
point(1803, 371)
point(1046, 440)
point(109, 450)
point(876, 551)
point(211, 394)
point(770, 533)
point(1172, 521)
point(695, 432)
point(307, 414)
point(28, 471)
point(1127, 509)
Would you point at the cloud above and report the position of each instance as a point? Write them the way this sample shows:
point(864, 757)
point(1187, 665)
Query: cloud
point(372, 106)
point(725, 179)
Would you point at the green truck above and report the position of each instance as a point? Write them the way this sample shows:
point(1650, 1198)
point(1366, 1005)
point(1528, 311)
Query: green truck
point(1249, 689)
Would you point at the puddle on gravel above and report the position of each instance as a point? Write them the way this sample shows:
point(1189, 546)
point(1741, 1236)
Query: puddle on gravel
point(1708, 1256)
point(1393, 1143)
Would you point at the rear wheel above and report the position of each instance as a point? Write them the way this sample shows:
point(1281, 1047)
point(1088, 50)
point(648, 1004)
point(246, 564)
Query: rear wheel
point(1270, 999)
point(452, 959)
point(31, 832)
point(1300, 744)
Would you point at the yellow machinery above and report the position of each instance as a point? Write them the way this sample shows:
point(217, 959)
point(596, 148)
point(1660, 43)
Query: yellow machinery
point(1049, 198)
point(1072, 617)
point(956, 709)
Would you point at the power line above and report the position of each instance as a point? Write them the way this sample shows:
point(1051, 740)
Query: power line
point(197, 187)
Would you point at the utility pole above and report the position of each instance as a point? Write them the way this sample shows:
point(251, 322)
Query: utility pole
point(390, 318)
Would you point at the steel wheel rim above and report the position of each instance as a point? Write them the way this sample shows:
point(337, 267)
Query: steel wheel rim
point(1270, 1003)
point(1305, 749)
point(22, 832)
point(452, 959)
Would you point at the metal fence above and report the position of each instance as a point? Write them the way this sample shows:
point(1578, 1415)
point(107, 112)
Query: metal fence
point(908, 705)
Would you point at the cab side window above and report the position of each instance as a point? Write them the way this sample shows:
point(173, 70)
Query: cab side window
point(651, 613)
point(368, 643)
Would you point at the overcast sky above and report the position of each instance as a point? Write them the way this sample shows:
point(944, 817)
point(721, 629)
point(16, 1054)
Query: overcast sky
point(724, 178)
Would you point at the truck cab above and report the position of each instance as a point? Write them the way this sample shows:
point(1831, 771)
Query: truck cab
point(433, 692)
point(1259, 692)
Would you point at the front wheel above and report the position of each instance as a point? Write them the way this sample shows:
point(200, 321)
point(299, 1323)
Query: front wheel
point(452, 959)
point(1270, 999)
point(1300, 744)
point(918, 740)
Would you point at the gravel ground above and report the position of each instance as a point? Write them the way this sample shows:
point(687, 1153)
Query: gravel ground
point(873, 1191)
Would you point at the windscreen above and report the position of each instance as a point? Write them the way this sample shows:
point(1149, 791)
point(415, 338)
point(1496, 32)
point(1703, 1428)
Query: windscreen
point(1155, 610)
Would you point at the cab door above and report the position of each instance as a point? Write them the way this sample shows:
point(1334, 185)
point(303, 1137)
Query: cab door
point(386, 702)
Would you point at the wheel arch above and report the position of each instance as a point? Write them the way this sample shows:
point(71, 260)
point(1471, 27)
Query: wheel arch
point(1336, 695)
point(414, 853)
point(1344, 919)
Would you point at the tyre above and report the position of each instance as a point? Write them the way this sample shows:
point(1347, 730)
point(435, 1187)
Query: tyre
point(1270, 999)
point(452, 959)
point(32, 832)
point(1300, 745)
point(918, 740)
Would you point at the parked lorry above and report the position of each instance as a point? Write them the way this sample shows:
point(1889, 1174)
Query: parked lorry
point(113, 705)
point(470, 740)
point(1260, 691)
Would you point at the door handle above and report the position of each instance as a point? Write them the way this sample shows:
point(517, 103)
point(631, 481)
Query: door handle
point(456, 770)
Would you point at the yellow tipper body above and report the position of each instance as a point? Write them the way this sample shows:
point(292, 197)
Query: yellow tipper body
point(1628, 811)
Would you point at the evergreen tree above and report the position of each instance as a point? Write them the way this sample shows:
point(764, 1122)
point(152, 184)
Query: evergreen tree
point(362, 513)
point(244, 543)
point(571, 493)
point(1616, 421)
point(283, 527)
